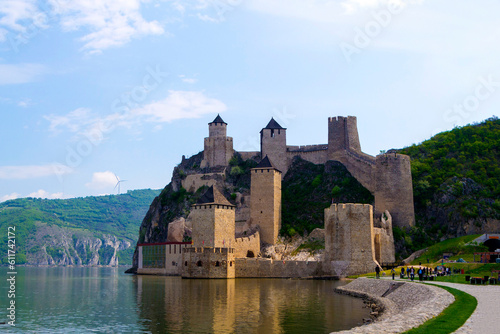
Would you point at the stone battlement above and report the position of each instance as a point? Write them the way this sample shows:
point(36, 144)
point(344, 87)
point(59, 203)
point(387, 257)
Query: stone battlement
point(350, 206)
point(219, 250)
point(247, 238)
point(307, 148)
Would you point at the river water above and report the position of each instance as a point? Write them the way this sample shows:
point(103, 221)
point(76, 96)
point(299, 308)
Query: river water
point(105, 300)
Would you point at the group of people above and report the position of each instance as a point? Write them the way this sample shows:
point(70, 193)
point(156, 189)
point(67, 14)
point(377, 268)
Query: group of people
point(410, 272)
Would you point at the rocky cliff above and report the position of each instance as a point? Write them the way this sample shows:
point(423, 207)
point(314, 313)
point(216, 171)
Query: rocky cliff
point(54, 245)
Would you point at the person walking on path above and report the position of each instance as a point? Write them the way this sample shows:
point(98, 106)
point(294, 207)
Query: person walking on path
point(393, 272)
point(402, 272)
point(377, 271)
point(412, 273)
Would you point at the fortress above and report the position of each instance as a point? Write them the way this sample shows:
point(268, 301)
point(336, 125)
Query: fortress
point(355, 240)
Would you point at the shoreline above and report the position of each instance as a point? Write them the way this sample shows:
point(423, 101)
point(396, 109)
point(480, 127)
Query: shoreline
point(403, 305)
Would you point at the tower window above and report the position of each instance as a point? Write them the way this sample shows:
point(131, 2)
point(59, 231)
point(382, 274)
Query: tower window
point(199, 263)
point(217, 264)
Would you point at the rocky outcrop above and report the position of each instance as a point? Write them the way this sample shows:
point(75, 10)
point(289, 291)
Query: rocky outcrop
point(57, 246)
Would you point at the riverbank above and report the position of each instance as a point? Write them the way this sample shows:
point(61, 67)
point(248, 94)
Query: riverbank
point(403, 305)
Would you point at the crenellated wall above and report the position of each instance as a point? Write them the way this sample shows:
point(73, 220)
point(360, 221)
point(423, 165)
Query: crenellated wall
point(208, 262)
point(247, 246)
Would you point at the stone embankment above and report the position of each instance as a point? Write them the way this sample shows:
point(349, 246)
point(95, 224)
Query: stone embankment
point(401, 305)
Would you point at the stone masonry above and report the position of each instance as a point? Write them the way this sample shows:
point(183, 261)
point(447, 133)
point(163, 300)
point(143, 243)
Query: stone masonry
point(349, 239)
point(265, 202)
point(386, 176)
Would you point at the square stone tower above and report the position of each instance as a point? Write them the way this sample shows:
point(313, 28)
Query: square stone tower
point(265, 201)
point(213, 220)
point(349, 239)
point(273, 145)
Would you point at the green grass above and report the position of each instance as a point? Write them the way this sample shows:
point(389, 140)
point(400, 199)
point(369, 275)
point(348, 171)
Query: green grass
point(452, 318)
point(456, 245)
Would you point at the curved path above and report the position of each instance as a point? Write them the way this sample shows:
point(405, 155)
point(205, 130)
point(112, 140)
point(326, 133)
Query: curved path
point(486, 317)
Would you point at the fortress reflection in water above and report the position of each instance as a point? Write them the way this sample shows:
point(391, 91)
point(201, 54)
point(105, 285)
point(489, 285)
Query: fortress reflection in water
point(173, 305)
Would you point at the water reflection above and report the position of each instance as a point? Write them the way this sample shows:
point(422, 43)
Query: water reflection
point(173, 305)
point(104, 300)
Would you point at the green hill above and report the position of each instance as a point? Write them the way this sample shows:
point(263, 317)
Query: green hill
point(456, 184)
point(75, 231)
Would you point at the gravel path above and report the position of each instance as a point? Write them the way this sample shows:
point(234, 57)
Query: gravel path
point(486, 317)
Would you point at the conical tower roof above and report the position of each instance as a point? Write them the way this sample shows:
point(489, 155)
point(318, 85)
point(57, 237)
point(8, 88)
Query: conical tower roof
point(213, 196)
point(218, 119)
point(273, 124)
point(266, 163)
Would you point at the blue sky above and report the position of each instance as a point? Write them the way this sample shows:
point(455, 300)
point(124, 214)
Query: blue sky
point(90, 89)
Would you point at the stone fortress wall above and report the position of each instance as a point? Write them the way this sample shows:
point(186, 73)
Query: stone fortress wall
point(387, 176)
point(354, 243)
point(247, 246)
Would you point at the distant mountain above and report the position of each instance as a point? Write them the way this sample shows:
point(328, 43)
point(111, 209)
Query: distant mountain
point(80, 231)
point(456, 184)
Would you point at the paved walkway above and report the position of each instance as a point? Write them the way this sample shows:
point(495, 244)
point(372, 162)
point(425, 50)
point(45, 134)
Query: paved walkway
point(486, 317)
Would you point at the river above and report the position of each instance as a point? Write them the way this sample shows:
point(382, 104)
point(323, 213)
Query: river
point(105, 300)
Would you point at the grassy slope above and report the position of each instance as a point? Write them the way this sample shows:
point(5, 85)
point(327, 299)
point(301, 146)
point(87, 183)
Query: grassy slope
point(456, 178)
point(118, 215)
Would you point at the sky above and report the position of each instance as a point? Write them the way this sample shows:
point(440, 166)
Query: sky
point(92, 91)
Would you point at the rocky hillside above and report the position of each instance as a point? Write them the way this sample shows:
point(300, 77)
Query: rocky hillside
point(80, 231)
point(307, 190)
point(456, 185)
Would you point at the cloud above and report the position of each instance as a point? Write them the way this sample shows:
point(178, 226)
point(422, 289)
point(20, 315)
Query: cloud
point(180, 105)
point(74, 121)
point(20, 73)
point(102, 180)
point(331, 11)
point(177, 105)
point(188, 80)
point(112, 23)
point(32, 172)
point(44, 194)
point(14, 15)
point(9, 197)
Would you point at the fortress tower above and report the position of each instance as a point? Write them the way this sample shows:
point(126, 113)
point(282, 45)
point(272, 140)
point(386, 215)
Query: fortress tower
point(218, 147)
point(213, 220)
point(394, 188)
point(342, 135)
point(349, 239)
point(273, 144)
point(211, 255)
point(265, 203)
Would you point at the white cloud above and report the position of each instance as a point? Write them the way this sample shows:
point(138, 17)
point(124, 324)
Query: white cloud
point(15, 14)
point(20, 73)
point(9, 197)
point(188, 80)
point(177, 105)
point(112, 22)
point(32, 172)
point(102, 180)
point(74, 121)
point(44, 194)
